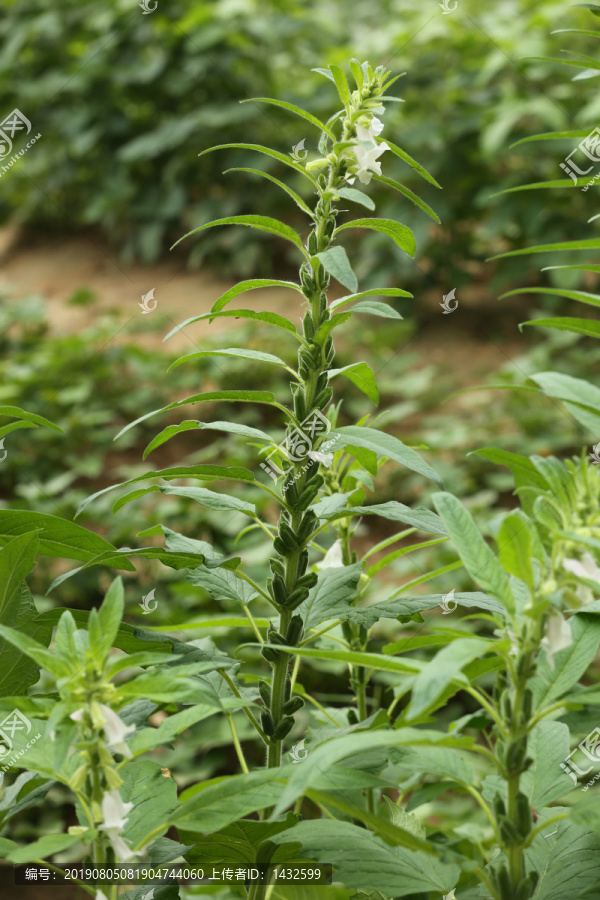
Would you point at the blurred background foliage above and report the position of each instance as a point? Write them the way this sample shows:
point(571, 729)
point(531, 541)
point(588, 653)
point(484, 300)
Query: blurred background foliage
point(125, 102)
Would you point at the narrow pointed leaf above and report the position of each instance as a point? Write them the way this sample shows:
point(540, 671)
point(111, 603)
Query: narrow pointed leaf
point(295, 197)
point(336, 262)
point(286, 160)
point(406, 192)
point(384, 445)
point(376, 292)
point(262, 223)
point(295, 109)
point(410, 161)
point(400, 234)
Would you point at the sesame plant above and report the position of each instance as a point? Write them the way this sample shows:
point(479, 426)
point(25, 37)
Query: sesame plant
point(428, 767)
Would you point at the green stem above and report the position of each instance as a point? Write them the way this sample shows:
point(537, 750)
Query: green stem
point(237, 745)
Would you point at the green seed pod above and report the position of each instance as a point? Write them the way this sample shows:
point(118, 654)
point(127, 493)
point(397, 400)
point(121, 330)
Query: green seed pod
point(303, 369)
point(293, 705)
point(287, 690)
point(499, 807)
point(276, 638)
point(308, 581)
point(308, 326)
point(295, 629)
point(352, 717)
point(297, 597)
point(283, 728)
point(302, 563)
point(280, 547)
point(299, 406)
point(508, 831)
point(277, 567)
point(264, 689)
point(266, 720)
point(505, 884)
point(313, 245)
point(287, 536)
point(290, 492)
point(279, 591)
point(271, 655)
point(307, 526)
point(322, 382)
point(515, 755)
point(306, 497)
point(324, 397)
point(506, 706)
point(527, 704)
point(265, 852)
point(523, 814)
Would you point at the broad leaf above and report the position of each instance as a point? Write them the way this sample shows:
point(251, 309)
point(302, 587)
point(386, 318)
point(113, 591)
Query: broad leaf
point(383, 445)
point(335, 261)
point(400, 234)
point(362, 376)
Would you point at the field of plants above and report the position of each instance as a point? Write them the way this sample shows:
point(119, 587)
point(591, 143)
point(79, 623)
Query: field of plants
point(345, 643)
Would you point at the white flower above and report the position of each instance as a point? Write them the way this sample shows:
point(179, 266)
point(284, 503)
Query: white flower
point(114, 815)
point(325, 458)
point(584, 568)
point(371, 132)
point(114, 727)
point(558, 636)
point(116, 731)
point(365, 162)
point(333, 557)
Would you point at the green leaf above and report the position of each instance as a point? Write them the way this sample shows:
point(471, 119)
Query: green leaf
point(57, 537)
point(295, 197)
point(104, 623)
point(356, 196)
point(211, 499)
point(364, 860)
point(17, 559)
point(228, 396)
point(548, 746)
point(582, 296)
point(47, 845)
point(479, 561)
point(262, 223)
point(153, 797)
point(223, 584)
point(335, 261)
point(400, 234)
point(588, 244)
point(409, 195)
point(440, 671)
point(295, 109)
point(587, 327)
point(581, 398)
point(36, 651)
point(376, 292)
point(523, 470)
point(204, 473)
point(235, 352)
point(568, 859)
point(362, 376)
point(341, 83)
point(286, 160)
point(397, 151)
point(383, 445)
point(17, 412)
point(221, 801)
point(192, 424)
point(571, 662)
point(369, 307)
point(270, 318)
point(335, 586)
point(515, 548)
point(420, 517)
